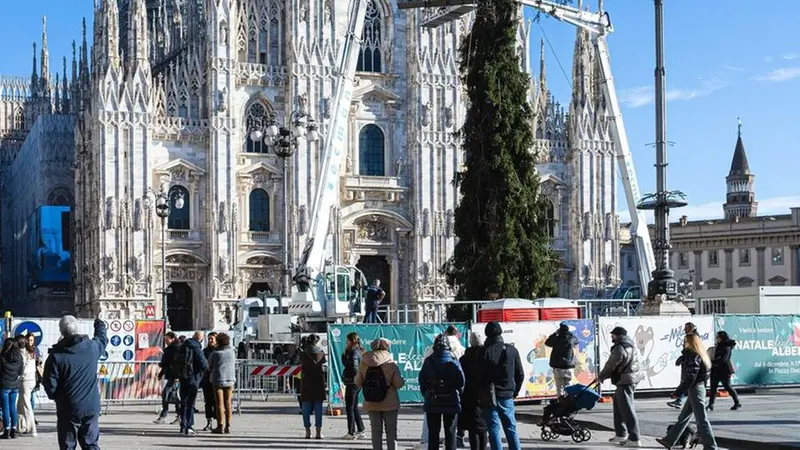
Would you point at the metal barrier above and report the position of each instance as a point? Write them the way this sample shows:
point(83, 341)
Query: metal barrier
point(129, 382)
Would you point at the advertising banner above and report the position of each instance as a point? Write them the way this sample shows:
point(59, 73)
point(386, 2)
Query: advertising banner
point(658, 341)
point(529, 337)
point(50, 242)
point(767, 348)
point(409, 342)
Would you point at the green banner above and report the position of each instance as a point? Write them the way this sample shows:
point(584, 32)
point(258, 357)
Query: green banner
point(409, 342)
point(767, 348)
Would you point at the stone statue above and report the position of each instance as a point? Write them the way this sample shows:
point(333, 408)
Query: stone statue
point(223, 32)
point(349, 164)
point(137, 215)
point(448, 116)
point(426, 114)
point(426, 222)
point(398, 166)
point(222, 99)
point(234, 215)
point(326, 108)
point(111, 213)
point(302, 102)
point(224, 267)
point(223, 218)
point(111, 264)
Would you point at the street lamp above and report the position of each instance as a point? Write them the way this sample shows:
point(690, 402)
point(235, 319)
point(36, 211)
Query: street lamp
point(284, 141)
point(163, 211)
point(687, 286)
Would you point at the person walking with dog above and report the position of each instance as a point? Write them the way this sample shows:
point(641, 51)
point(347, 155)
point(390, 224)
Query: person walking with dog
point(695, 369)
point(621, 368)
point(562, 357)
point(722, 369)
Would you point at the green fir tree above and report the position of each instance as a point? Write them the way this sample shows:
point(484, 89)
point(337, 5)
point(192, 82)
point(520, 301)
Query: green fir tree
point(501, 222)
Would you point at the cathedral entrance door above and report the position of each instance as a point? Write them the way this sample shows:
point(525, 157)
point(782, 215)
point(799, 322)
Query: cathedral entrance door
point(376, 267)
point(255, 288)
point(180, 307)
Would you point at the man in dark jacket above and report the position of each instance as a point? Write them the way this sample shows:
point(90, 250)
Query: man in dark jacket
point(562, 357)
point(191, 365)
point(502, 367)
point(70, 379)
point(622, 368)
point(172, 384)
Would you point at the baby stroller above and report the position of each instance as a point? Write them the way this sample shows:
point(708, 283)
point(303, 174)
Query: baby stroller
point(559, 416)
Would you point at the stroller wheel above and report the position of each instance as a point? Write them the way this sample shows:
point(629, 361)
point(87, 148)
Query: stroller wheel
point(582, 435)
point(547, 435)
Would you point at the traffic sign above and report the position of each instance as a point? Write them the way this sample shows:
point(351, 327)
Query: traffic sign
point(104, 356)
point(103, 371)
point(128, 340)
point(116, 340)
point(128, 326)
point(115, 326)
point(128, 355)
point(26, 328)
point(144, 340)
point(150, 311)
point(127, 370)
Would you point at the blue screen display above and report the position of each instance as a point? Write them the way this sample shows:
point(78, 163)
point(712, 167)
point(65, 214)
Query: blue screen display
point(51, 246)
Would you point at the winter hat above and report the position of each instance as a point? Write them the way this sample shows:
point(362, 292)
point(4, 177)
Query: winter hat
point(451, 330)
point(441, 343)
point(493, 329)
point(619, 331)
point(563, 327)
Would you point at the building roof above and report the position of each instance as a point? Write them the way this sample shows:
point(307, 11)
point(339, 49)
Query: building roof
point(739, 165)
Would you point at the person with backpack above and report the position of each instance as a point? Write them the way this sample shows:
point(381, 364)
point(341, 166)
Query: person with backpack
point(12, 367)
point(351, 360)
point(622, 368)
point(441, 380)
point(501, 382)
point(379, 379)
point(471, 417)
point(695, 368)
point(312, 391)
point(170, 393)
point(722, 369)
point(562, 357)
point(190, 366)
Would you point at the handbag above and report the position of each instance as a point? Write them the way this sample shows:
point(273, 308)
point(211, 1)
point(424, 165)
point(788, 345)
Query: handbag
point(173, 394)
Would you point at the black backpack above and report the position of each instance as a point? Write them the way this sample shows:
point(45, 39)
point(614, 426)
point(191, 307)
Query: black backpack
point(182, 366)
point(375, 386)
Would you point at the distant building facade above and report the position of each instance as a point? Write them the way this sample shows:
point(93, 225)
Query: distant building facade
point(741, 250)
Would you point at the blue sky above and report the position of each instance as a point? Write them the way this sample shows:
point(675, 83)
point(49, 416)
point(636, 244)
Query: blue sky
point(724, 60)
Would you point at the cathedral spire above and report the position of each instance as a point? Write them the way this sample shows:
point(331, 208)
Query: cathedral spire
point(65, 97)
point(45, 77)
point(57, 97)
point(107, 36)
point(34, 75)
point(137, 49)
point(542, 70)
point(741, 193)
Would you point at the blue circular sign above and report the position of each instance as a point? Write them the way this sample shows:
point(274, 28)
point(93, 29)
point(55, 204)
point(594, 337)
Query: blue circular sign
point(26, 328)
point(116, 340)
point(128, 340)
point(128, 355)
point(104, 356)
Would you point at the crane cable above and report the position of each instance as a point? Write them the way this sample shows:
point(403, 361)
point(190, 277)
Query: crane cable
point(549, 44)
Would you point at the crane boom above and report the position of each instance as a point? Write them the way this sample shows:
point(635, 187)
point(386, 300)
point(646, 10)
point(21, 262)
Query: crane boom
point(599, 26)
point(312, 261)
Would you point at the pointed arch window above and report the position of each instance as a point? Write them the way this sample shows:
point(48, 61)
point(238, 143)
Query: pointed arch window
point(259, 210)
point(551, 218)
point(256, 119)
point(371, 152)
point(370, 58)
point(178, 209)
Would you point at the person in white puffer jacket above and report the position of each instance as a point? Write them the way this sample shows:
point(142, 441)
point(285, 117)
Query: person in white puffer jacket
point(27, 422)
point(457, 349)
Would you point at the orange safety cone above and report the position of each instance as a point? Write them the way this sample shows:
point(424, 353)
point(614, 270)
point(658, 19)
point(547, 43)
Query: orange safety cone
point(605, 399)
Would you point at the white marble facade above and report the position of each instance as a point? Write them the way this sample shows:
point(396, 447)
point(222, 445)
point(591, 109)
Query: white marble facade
point(171, 92)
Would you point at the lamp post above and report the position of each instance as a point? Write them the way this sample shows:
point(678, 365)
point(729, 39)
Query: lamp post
point(163, 210)
point(687, 286)
point(284, 141)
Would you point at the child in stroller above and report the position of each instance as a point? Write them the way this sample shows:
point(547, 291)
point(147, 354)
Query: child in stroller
point(559, 416)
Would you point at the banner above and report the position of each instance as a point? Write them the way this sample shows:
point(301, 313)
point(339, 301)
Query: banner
point(658, 341)
point(767, 348)
point(409, 342)
point(529, 337)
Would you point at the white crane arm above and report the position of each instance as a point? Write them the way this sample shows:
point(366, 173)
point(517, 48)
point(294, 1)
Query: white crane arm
point(312, 260)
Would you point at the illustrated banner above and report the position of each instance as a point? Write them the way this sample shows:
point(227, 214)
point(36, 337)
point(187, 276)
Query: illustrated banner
point(409, 342)
point(529, 337)
point(767, 348)
point(658, 341)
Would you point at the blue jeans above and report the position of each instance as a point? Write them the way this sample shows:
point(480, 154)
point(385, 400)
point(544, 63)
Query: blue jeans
point(9, 408)
point(316, 407)
point(188, 399)
point(371, 315)
point(84, 432)
point(502, 415)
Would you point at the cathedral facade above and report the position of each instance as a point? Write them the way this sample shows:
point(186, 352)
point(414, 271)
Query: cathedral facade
point(174, 92)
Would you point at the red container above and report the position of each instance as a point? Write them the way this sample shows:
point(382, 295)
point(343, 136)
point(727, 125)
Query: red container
point(557, 309)
point(509, 310)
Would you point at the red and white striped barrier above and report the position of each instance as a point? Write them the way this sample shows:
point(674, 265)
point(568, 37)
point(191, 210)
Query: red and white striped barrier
point(275, 371)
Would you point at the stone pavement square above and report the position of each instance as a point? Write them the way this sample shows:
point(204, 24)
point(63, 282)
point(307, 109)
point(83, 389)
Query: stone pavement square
point(262, 425)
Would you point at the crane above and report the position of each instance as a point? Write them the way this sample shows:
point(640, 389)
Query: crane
point(599, 26)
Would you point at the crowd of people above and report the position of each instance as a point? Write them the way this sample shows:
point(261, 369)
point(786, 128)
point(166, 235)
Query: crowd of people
point(466, 391)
